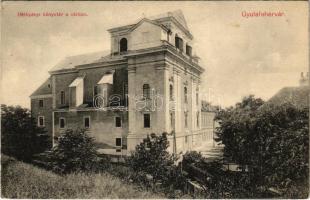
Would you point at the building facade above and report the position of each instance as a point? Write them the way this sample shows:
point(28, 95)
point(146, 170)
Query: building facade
point(148, 82)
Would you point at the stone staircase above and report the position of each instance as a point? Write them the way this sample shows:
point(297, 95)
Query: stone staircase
point(211, 150)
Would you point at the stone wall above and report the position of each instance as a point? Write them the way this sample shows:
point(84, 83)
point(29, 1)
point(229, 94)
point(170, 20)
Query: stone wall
point(45, 111)
point(102, 125)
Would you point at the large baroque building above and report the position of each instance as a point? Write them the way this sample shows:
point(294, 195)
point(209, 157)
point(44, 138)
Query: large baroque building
point(149, 82)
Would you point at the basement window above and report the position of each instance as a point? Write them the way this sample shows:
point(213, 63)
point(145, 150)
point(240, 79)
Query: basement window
point(86, 122)
point(62, 123)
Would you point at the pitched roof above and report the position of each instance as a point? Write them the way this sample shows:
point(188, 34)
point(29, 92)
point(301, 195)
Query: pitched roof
point(298, 96)
point(45, 88)
point(177, 14)
point(72, 61)
point(76, 82)
point(146, 20)
point(107, 78)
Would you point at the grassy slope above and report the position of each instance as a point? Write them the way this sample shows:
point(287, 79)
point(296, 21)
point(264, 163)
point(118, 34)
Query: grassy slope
point(21, 180)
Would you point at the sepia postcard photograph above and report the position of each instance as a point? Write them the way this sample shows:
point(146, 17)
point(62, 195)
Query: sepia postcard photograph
point(154, 99)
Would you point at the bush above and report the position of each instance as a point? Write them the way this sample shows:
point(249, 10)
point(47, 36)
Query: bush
point(75, 151)
point(153, 163)
point(217, 182)
point(24, 181)
point(20, 136)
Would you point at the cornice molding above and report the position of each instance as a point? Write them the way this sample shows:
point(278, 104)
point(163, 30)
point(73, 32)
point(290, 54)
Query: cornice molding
point(42, 96)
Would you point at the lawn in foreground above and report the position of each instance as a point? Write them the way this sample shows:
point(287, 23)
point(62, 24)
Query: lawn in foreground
point(21, 180)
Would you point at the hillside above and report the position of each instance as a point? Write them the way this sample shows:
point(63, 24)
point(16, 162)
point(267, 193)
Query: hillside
point(21, 180)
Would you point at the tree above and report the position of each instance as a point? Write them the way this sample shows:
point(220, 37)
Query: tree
point(75, 151)
point(151, 157)
point(272, 140)
point(282, 134)
point(235, 130)
point(21, 138)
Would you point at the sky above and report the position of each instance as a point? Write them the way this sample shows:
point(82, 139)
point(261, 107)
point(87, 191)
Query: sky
point(241, 56)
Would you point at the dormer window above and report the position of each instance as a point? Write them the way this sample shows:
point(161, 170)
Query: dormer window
point(123, 45)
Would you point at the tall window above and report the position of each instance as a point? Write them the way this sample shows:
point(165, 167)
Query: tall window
point(118, 142)
point(118, 122)
point(86, 122)
point(146, 91)
point(197, 98)
point(41, 122)
point(185, 94)
point(147, 120)
point(178, 42)
point(171, 120)
point(126, 94)
point(62, 97)
point(171, 92)
point(41, 103)
point(123, 45)
point(198, 119)
point(188, 50)
point(95, 90)
point(62, 123)
point(185, 119)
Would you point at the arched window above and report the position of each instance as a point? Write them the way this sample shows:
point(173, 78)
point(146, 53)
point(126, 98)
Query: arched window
point(178, 42)
point(171, 92)
point(123, 45)
point(146, 91)
point(185, 94)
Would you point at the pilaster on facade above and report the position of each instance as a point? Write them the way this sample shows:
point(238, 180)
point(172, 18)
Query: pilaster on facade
point(176, 71)
point(54, 91)
point(131, 96)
